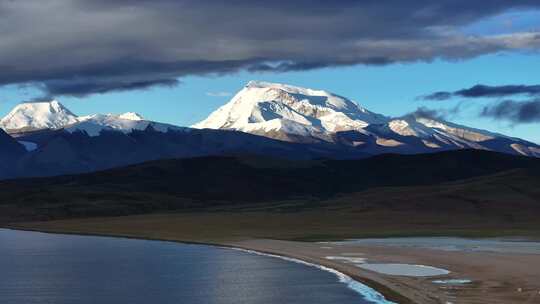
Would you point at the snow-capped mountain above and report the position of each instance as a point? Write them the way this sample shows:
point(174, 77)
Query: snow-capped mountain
point(38, 115)
point(298, 114)
point(287, 119)
point(127, 122)
point(289, 113)
point(53, 115)
point(45, 138)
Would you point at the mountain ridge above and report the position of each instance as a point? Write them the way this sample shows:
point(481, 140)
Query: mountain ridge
point(288, 113)
point(297, 114)
point(40, 115)
point(299, 124)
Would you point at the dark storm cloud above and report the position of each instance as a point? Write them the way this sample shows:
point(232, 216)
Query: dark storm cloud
point(514, 111)
point(427, 113)
point(79, 47)
point(84, 87)
point(478, 91)
point(438, 96)
point(437, 114)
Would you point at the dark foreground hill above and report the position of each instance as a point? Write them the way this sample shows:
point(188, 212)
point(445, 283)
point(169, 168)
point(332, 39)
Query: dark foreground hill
point(244, 182)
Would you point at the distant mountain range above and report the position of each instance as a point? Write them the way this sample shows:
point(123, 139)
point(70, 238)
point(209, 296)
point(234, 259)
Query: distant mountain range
point(52, 115)
point(265, 119)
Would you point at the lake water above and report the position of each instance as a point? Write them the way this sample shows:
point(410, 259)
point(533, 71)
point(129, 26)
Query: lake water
point(40, 268)
point(405, 269)
point(502, 245)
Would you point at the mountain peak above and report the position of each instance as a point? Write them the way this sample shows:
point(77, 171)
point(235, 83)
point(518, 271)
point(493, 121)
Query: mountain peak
point(265, 84)
point(261, 107)
point(256, 84)
point(53, 104)
point(131, 116)
point(30, 116)
point(283, 86)
point(38, 115)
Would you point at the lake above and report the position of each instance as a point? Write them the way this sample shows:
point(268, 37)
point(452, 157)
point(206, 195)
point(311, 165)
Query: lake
point(501, 245)
point(41, 268)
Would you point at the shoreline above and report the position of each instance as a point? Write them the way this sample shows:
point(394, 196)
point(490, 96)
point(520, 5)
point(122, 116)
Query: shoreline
point(493, 277)
point(388, 293)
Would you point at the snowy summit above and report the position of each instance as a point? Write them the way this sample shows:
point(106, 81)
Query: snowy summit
point(285, 110)
point(38, 115)
point(291, 113)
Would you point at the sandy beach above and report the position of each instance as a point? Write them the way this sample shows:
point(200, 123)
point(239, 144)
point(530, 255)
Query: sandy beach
point(495, 277)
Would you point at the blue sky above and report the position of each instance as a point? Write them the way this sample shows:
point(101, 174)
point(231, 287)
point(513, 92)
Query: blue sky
point(392, 89)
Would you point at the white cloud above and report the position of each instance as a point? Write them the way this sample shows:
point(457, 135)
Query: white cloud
point(219, 94)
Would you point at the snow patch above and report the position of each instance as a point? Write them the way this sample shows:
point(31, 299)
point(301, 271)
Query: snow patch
point(131, 116)
point(29, 146)
point(452, 281)
point(388, 142)
point(353, 260)
point(430, 144)
point(94, 124)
